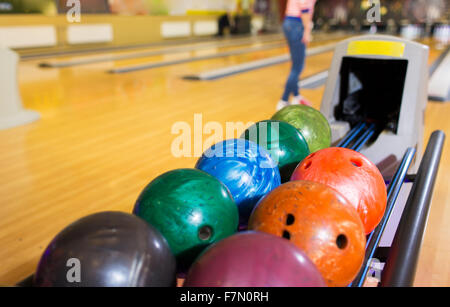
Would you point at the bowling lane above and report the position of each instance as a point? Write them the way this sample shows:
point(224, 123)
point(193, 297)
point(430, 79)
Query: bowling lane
point(110, 55)
point(124, 50)
point(103, 137)
point(274, 46)
point(434, 51)
point(38, 85)
point(170, 48)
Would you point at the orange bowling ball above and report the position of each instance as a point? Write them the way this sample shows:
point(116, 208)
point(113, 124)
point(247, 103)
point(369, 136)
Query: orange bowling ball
point(351, 174)
point(319, 221)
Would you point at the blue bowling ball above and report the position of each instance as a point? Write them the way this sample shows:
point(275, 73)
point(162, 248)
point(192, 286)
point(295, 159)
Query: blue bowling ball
point(246, 168)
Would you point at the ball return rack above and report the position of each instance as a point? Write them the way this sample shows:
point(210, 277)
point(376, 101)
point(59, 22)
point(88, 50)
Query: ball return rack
point(375, 99)
point(400, 261)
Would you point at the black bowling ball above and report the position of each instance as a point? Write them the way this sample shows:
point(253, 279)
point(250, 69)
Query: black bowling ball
point(108, 249)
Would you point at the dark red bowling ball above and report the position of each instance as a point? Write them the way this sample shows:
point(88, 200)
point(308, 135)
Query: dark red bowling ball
point(253, 259)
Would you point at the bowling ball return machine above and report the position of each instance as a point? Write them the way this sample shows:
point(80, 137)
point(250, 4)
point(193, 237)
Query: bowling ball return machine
point(380, 82)
point(374, 100)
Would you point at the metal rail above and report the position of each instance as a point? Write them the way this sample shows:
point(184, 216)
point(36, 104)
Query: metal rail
point(402, 260)
point(351, 135)
point(375, 237)
point(401, 263)
point(364, 138)
point(355, 140)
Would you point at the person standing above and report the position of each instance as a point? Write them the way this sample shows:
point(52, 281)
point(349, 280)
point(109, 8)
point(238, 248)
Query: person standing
point(226, 20)
point(297, 28)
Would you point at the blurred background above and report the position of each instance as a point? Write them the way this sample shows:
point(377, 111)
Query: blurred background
point(134, 22)
point(329, 13)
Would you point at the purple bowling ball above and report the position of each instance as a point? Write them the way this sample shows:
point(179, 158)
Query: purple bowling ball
point(253, 259)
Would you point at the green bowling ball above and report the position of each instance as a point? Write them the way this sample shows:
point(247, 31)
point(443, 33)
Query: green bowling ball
point(310, 122)
point(191, 209)
point(284, 142)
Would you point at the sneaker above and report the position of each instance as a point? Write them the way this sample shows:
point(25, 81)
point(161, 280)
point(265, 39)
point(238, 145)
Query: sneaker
point(281, 104)
point(301, 100)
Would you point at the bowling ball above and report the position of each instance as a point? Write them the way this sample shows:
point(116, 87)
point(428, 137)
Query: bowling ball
point(351, 174)
point(253, 259)
point(284, 142)
point(248, 171)
point(111, 249)
point(310, 122)
point(191, 208)
point(320, 222)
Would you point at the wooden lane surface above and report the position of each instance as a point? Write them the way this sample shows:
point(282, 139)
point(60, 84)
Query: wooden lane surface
point(108, 56)
point(204, 44)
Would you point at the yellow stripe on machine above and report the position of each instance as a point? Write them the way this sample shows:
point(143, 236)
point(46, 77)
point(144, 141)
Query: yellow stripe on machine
point(376, 47)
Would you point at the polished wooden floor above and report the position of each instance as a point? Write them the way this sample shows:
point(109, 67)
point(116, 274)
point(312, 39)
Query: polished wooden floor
point(103, 137)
